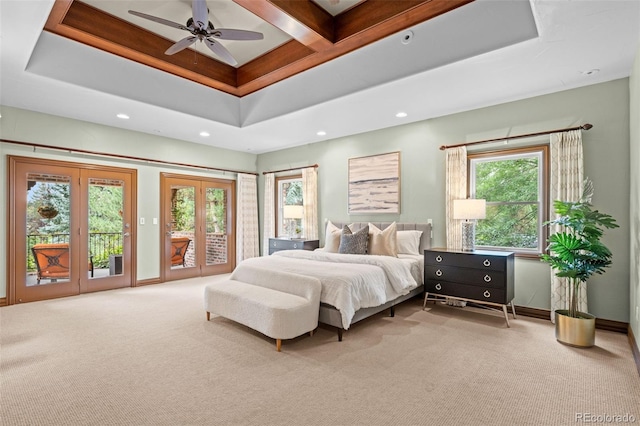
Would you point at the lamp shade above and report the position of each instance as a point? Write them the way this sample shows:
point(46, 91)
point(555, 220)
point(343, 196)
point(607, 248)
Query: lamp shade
point(469, 209)
point(292, 212)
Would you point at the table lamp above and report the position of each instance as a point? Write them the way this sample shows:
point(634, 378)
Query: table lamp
point(469, 210)
point(292, 213)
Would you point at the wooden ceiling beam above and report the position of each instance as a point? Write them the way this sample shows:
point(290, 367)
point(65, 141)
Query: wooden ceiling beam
point(86, 24)
point(317, 38)
point(370, 13)
point(303, 20)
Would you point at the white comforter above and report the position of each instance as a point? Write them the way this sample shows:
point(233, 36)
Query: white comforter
point(349, 282)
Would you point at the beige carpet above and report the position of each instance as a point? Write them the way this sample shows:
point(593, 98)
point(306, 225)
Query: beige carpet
point(147, 356)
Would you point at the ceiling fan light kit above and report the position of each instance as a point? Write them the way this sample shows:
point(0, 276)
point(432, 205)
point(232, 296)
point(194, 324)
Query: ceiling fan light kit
point(202, 29)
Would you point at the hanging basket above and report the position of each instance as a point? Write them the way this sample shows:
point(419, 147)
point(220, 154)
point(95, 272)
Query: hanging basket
point(48, 212)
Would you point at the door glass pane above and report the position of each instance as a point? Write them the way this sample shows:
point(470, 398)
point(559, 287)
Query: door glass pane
point(48, 227)
point(216, 217)
point(106, 227)
point(183, 231)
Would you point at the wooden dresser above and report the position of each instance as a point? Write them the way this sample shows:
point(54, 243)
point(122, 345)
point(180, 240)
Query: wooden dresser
point(479, 276)
point(277, 244)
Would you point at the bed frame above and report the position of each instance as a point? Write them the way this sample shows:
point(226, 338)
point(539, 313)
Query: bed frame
point(330, 316)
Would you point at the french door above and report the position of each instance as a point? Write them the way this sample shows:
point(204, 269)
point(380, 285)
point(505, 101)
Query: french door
point(69, 228)
point(198, 226)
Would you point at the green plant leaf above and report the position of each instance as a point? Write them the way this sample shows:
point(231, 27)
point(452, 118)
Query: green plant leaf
point(576, 252)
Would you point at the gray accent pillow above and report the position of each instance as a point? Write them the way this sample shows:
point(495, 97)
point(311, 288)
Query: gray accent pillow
point(354, 242)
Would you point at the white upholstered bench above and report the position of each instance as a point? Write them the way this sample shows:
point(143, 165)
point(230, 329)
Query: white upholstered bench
point(280, 305)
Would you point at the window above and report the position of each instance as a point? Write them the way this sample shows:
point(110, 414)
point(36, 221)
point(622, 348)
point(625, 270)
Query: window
point(289, 206)
point(514, 183)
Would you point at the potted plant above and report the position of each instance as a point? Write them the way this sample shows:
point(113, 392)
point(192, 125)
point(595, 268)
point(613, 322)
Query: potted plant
point(576, 253)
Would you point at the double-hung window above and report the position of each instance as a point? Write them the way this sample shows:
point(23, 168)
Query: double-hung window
point(514, 183)
point(289, 206)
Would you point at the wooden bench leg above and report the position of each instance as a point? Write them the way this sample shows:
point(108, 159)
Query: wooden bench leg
point(278, 344)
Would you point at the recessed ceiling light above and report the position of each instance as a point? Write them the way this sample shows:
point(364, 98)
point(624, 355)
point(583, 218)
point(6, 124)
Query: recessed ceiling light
point(123, 116)
point(204, 134)
point(401, 114)
point(321, 133)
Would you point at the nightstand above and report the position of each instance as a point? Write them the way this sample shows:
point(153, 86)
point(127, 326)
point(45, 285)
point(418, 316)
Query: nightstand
point(277, 244)
point(479, 276)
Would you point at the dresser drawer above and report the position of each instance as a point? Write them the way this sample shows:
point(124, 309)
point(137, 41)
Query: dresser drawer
point(481, 294)
point(478, 277)
point(476, 260)
point(277, 244)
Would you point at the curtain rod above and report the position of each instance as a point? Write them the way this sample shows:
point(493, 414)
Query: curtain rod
point(506, 138)
point(293, 168)
point(126, 157)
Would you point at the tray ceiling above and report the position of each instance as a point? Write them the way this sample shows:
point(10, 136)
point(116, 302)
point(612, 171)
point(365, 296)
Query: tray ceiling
point(299, 35)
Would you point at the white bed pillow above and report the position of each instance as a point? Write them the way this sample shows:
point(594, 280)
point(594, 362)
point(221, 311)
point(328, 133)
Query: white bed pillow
point(409, 242)
point(332, 238)
point(383, 243)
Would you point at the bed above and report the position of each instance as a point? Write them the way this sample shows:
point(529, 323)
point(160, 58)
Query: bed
point(357, 286)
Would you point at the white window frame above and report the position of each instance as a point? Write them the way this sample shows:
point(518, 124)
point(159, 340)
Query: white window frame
point(541, 153)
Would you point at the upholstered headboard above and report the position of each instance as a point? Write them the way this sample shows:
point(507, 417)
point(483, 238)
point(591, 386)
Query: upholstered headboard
point(425, 240)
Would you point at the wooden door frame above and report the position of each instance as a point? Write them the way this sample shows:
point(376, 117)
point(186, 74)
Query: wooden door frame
point(128, 216)
point(11, 221)
point(203, 270)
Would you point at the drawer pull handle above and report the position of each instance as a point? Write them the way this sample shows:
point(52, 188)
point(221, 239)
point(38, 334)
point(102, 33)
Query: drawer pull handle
point(487, 294)
point(486, 262)
point(438, 258)
point(295, 246)
point(439, 273)
point(487, 279)
point(275, 244)
point(438, 286)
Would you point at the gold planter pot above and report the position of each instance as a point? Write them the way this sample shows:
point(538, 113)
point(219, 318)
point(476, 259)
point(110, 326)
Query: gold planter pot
point(579, 332)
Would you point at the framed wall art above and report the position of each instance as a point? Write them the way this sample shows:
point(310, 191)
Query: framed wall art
point(374, 184)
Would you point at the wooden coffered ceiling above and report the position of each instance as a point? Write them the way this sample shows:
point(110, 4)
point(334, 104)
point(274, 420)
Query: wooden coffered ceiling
point(316, 37)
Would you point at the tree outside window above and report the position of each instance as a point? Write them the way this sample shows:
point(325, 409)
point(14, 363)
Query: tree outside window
point(514, 184)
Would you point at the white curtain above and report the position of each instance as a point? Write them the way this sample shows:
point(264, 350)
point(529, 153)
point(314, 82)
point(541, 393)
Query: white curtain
point(248, 236)
point(310, 201)
point(567, 181)
point(269, 222)
point(456, 189)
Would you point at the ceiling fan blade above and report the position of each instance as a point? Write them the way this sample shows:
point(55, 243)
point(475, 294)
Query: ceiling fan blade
point(200, 14)
point(229, 34)
point(221, 51)
point(159, 20)
point(181, 45)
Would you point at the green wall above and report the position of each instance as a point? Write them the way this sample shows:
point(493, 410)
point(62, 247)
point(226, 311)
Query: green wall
point(606, 148)
point(27, 126)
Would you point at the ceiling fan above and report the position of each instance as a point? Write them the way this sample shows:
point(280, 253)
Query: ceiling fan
point(202, 29)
